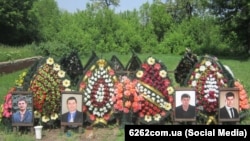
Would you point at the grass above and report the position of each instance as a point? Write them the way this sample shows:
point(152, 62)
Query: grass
point(13, 137)
point(240, 69)
point(12, 53)
point(7, 81)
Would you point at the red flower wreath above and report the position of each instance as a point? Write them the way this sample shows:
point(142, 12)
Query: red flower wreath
point(207, 77)
point(155, 87)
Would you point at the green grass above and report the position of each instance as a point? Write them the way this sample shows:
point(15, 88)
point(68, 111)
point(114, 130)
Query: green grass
point(170, 61)
point(7, 81)
point(241, 71)
point(13, 137)
point(12, 53)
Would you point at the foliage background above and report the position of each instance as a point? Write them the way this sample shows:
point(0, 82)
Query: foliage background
point(213, 27)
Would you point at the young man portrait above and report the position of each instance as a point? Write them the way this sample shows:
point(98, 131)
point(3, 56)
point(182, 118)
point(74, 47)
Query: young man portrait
point(72, 115)
point(228, 111)
point(185, 110)
point(23, 115)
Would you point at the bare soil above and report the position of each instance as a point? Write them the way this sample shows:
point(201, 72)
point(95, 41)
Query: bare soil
point(107, 133)
point(94, 134)
point(16, 65)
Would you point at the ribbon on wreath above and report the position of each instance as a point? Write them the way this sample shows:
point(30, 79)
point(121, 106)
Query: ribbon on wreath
point(211, 119)
point(100, 120)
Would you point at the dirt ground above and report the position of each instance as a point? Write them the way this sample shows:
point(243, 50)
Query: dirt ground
point(109, 133)
point(94, 134)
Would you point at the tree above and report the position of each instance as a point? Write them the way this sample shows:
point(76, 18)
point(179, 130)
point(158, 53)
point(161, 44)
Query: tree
point(105, 3)
point(234, 18)
point(161, 23)
point(17, 23)
point(48, 15)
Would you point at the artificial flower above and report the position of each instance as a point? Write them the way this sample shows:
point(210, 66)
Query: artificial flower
point(19, 82)
point(202, 68)
point(61, 73)
point(66, 83)
point(186, 63)
point(37, 114)
point(194, 83)
point(163, 73)
point(92, 117)
point(72, 65)
point(46, 86)
point(148, 118)
point(167, 106)
point(98, 89)
point(7, 114)
point(244, 103)
point(56, 67)
point(45, 119)
point(155, 88)
point(7, 106)
point(139, 74)
point(54, 116)
point(151, 61)
point(170, 90)
point(208, 63)
point(50, 61)
point(207, 77)
point(106, 117)
point(157, 117)
point(126, 99)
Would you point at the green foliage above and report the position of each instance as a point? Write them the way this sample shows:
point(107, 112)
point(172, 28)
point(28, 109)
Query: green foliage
point(54, 49)
point(234, 18)
point(11, 53)
point(47, 15)
point(71, 33)
point(15, 136)
point(161, 23)
point(158, 27)
point(16, 22)
point(188, 35)
point(104, 3)
point(7, 81)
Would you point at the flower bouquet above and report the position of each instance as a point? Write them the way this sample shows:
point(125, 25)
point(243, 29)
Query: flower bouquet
point(207, 77)
point(185, 65)
point(127, 101)
point(97, 86)
point(6, 109)
point(244, 103)
point(47, 84)
point(19, 82)
point(72, 65)
point(154, 86)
